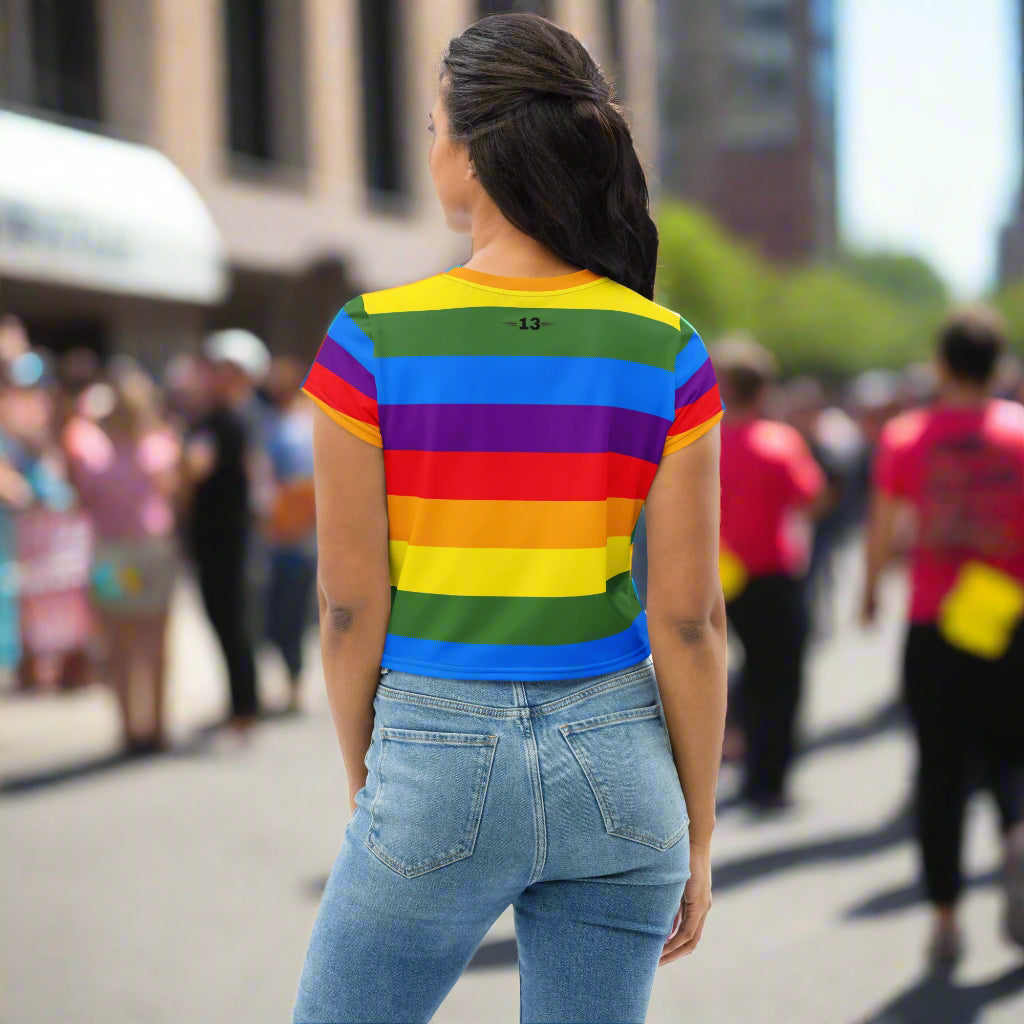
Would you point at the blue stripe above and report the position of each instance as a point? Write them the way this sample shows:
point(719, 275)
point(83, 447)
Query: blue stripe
point(347, 333)
point(450, 660)
point(524, 380)
point(690, 359)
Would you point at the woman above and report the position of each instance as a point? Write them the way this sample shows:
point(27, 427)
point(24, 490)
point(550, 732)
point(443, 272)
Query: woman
point(125, 468)
point(498, 714)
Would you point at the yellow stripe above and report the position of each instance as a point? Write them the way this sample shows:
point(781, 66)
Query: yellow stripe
point(364, 431)
point(507, 572)
point(449, 522)
point(675, 442)
point(442, 292)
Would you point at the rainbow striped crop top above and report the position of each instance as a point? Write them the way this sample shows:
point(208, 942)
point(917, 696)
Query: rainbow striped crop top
point(522, 422)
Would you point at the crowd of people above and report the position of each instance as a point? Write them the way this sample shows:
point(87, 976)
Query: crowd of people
point(112, 482)
point(935, 459)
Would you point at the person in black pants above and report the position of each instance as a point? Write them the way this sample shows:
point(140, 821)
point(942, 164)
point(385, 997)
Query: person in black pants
point(968, 718)
point(770, 485)
point(958, 465)
point(770, 617)
point(220, 457)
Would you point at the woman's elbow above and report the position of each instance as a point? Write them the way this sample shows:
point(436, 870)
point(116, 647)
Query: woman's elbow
point(691, 623)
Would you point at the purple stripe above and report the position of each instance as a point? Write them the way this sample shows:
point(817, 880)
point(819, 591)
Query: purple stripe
point(341, 364)
point(702, 381)
point(568, 429)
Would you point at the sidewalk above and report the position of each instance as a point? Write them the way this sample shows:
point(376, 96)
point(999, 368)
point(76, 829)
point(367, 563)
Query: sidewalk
point(183, 889)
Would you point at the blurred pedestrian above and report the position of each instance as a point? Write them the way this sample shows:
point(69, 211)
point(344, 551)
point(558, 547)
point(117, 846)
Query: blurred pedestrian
point(484, 441)
point(124, 463)
point(958, 467)
point(291, 525)
point(770, 484)
point(220, 454)
point(46, 546)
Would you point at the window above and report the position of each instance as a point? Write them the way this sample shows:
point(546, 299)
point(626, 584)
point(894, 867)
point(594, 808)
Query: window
point(266, 109)
point(381, 49)
point(49, 56)
point(248, 117)
point(541, 7)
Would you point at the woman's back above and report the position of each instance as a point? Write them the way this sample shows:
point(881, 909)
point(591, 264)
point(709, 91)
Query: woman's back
point(522, 422)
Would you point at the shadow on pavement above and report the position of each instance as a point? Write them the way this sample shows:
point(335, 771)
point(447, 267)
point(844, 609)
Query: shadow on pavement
point(197, 745)
point(499, 953)
point(884, 718)
point(937, 1000)
point(859, 844)
point(891, 901)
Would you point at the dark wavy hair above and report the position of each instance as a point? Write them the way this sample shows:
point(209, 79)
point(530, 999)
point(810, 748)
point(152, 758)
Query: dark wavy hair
point(550, 146)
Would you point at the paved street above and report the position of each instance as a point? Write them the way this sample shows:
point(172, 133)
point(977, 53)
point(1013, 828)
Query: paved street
point(182, 890)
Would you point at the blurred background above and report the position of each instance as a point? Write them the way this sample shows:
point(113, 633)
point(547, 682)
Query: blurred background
point(829, 175)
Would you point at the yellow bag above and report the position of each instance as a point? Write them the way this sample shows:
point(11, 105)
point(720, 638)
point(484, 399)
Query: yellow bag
point(982, 610)
point(733, 574)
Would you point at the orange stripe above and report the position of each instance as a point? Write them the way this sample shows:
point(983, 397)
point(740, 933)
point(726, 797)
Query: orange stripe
point(675, 442)
point(364, 431)
point(525, 284)
point(445, 522)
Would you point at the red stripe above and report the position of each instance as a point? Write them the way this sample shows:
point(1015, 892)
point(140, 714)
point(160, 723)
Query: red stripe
point(340, 395)
point(694, 414)
point(517, 476)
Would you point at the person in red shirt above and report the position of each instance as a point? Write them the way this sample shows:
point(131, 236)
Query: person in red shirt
point(958, 468)
point(770, 481)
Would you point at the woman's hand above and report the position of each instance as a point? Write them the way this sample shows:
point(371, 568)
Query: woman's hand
point(693, 909)
point(354, 786)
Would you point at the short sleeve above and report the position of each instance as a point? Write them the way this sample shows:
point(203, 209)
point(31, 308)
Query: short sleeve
point(341, 380)
point(697, 404)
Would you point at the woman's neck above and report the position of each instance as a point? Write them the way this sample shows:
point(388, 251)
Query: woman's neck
point(503, 250)
point(964, 396)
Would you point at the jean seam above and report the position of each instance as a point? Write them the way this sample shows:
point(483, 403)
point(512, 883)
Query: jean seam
point(614, 718)
point(584, 762)
point(536, 788)
point(482, 711)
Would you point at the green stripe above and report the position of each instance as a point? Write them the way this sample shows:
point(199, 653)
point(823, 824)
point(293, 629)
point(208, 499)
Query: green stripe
point(482, 331)
point(357, 311)
point(515, 620)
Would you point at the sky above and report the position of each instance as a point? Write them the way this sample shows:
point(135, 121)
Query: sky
point(929, 130)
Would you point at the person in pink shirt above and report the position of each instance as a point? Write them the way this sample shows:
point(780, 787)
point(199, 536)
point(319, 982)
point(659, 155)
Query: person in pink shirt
point(123, 461)
point(770, 481)
point(956, 471)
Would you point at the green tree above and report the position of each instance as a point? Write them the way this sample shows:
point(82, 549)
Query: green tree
point(901, 276)
point(864, 311)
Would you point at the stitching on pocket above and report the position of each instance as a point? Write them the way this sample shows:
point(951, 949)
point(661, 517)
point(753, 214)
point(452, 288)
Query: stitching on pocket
point(614, 718)
point(597, 786)
point(480, 786)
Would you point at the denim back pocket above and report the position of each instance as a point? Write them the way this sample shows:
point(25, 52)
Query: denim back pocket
point(627, 759)
point(430, 796)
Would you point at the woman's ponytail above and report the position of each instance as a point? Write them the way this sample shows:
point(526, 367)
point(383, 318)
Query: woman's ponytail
point(550, 146)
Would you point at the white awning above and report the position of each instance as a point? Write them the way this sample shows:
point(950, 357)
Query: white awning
point(90, 211)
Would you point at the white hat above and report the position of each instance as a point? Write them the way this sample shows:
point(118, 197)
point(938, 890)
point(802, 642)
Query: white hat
point(240, 348)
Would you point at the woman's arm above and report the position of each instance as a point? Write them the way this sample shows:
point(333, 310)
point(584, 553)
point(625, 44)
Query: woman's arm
point(353, 583)
point(686, 618)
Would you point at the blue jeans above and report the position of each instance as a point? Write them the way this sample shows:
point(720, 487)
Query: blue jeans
point(560, 799)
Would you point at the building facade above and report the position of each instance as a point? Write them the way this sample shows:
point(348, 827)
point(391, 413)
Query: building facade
point(748, 118)
point(1011, 241)
point(301, 127)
